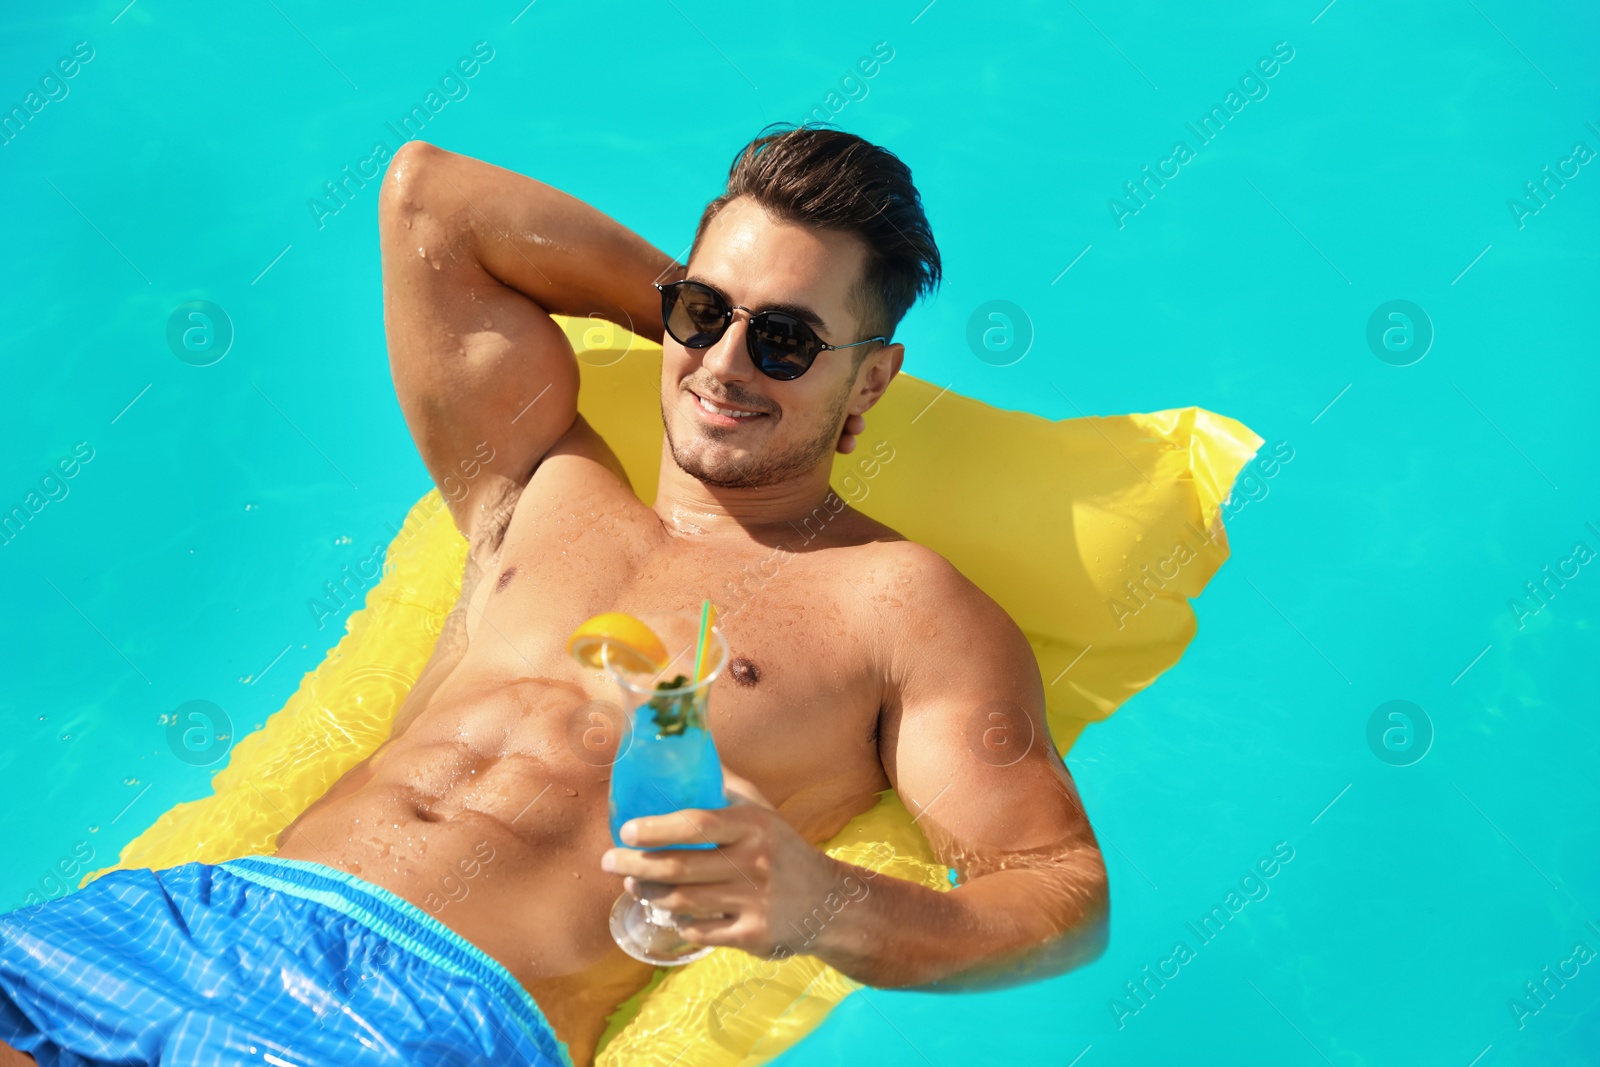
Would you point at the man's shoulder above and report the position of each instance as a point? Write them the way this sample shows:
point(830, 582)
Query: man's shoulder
point(948, 636)
point(920, 576)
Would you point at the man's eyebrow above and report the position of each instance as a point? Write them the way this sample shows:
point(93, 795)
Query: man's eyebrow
point(799, 311)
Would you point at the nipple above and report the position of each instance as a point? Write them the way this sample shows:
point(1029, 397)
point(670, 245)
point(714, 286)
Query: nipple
point(744, 672)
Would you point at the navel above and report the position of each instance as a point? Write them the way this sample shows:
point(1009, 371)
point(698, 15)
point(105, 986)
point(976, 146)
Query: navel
point(505, 578)
point(744, 672)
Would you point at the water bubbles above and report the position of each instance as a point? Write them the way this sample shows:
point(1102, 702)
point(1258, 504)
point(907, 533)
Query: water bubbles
point(130, 781)
point(252, 507)
point(343, 540)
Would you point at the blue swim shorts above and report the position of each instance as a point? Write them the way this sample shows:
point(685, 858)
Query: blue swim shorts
point(258, 961)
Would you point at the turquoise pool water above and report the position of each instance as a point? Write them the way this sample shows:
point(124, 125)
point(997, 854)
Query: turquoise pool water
point(1381, 161)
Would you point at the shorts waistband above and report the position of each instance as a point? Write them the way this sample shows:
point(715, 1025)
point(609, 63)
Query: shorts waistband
point(405, 924)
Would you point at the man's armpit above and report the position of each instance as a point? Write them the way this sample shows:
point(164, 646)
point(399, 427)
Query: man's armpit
point(495, 503)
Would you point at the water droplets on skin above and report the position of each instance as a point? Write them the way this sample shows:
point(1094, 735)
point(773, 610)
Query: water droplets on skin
point(682, 522)
point(540, 240)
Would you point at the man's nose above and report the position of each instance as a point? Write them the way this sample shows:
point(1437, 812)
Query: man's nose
point(729, 358)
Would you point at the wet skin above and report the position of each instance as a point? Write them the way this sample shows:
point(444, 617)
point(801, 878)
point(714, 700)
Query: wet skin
point(859, 660)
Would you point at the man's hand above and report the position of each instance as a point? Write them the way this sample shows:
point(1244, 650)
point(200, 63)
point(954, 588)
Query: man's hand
point(754, 892)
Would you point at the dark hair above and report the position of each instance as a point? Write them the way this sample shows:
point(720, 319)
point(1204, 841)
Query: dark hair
point(823, 177)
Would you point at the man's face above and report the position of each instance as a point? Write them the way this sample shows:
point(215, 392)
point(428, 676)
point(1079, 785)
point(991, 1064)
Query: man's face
point(755, 261)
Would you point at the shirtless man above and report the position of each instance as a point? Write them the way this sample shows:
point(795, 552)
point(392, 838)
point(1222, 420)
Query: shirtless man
point(858, 666)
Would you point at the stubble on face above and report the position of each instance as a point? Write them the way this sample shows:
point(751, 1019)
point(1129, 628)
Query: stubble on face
point(706, 457)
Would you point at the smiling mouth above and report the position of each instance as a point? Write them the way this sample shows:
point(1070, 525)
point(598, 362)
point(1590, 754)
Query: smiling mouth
point(712, 408)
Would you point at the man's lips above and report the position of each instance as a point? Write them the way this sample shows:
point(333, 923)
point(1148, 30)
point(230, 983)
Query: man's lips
point(718, 417)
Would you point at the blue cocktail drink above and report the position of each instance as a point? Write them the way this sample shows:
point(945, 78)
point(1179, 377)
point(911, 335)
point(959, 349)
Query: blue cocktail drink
point(666, 763)
point(659, 773)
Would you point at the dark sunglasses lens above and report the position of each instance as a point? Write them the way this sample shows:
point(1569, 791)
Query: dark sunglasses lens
point(785, 347)
point(694, 315)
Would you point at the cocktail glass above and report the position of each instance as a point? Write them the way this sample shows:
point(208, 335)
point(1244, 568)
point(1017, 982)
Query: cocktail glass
point(666, 763)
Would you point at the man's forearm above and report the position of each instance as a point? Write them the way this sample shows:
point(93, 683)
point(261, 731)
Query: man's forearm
point(569, 257)
point(1002, 928)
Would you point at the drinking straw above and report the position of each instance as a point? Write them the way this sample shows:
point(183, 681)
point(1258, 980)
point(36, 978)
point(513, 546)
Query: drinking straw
point(707, 613)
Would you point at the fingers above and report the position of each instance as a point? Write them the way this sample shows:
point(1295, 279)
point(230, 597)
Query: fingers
point(691, 826)
point(675, 866)
point(713, 931)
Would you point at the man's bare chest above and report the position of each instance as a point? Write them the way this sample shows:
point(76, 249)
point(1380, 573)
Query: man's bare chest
point(796, 709)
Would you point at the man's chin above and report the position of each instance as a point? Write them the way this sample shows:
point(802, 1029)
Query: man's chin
point(736, 457)
point(718, 466)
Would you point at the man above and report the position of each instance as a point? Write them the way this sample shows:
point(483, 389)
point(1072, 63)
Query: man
point(861, 663)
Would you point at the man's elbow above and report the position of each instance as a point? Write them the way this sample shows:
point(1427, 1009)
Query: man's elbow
point(1083, 920)
point(408, 184)
point(1097, 913)
point(1094, 931)
point(1083, 929)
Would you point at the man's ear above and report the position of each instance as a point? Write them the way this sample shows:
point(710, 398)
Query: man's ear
point(877, 371)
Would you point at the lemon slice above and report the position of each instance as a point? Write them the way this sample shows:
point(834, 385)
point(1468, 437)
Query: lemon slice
point(634, 646)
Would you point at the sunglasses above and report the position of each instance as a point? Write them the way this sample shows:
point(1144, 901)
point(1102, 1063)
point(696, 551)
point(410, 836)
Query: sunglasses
point(781, 345)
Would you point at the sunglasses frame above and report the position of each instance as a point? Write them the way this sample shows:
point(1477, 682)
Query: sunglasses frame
point(671, 292)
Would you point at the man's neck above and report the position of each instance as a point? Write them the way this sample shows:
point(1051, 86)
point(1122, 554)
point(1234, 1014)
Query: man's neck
point(690, 508)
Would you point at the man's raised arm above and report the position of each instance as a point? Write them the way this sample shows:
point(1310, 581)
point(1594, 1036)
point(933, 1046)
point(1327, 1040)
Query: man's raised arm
point(475, 260)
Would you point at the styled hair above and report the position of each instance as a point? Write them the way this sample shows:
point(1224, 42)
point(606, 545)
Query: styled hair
point(824, 177)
